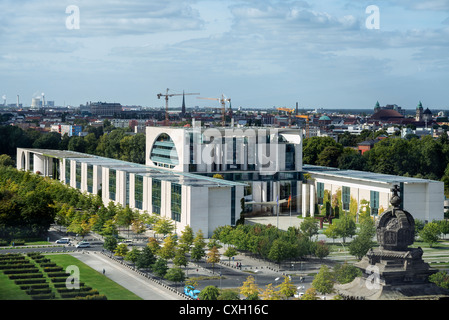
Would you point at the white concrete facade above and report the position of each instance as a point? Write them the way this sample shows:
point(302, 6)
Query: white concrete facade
point(424, 199)
point(206, 203)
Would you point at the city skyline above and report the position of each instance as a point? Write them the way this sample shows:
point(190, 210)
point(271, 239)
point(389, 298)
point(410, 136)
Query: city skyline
point(321, 54)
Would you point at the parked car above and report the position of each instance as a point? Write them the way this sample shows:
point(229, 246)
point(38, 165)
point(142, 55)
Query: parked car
point(63, 240)
point(83, 244)
point(127, 242)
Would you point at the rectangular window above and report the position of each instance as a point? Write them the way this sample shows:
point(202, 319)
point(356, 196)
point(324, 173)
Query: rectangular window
point(176, 201)
point(156, 195)
point(320, 192)
point(138, 191)
point(67, 171)
point(346, 197)
point(90, 178)
point(112, 184)
point(127, 188)
point(78, 175)
point(232, 206)
point(374, 202)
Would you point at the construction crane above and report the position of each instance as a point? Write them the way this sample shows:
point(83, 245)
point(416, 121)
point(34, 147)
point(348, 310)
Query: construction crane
point(222, 101)
point(289, 112)
point(307, 123)
point(167, 95)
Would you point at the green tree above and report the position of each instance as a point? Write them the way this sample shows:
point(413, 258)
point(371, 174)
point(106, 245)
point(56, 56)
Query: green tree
point(249, 287)
point(209, 293)
point(160, 267)
point(198, 250)
point(230, 252)
point(110, 243)
point(164, 226)
point(279, 251)
point(146, 258)
point(167, 250)
point(345, 227)
point(133, 255)
point(121, 250)
point(186, 238)
point(314, 146)
point(441, 279)
point(287, 288)
point(345, 273)
point(329, 156)
point(322, 250)
point(309, 226)
point(175, 275)
point(430, 233)
point(213, 256)
point(324, 280)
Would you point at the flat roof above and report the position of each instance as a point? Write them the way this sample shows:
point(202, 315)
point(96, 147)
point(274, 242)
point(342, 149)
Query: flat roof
point(182, 178)
point(362, 175)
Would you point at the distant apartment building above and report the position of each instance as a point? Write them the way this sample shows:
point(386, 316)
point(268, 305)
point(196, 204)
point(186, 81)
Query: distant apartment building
point(70, 130)
point(105, 109)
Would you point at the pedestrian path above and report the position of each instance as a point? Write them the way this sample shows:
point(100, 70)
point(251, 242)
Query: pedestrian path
point(129, 279)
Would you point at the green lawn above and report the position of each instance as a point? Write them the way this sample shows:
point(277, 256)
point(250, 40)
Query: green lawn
point(95, 279)
point(10, 291)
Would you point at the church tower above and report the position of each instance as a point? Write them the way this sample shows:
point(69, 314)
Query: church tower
point(419, 112)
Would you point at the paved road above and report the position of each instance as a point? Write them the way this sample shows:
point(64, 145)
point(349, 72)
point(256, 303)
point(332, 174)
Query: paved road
point(129, 279)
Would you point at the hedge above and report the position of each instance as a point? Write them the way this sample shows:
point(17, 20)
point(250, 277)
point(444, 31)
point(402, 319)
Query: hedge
point(45, 296)
point(94, 297)
point(58, 274)
point(30, 281)
point(17, 266)
point(78, 294)
point(25, 276)
point(20, 271)
point(34, 286)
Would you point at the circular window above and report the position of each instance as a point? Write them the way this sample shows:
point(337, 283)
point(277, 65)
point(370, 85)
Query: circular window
point(163, 153)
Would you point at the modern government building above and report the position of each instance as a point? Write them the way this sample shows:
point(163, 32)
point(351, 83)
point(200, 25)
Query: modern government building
point(206, 177)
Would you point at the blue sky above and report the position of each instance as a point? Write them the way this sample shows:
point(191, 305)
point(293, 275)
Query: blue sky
point(259, 53)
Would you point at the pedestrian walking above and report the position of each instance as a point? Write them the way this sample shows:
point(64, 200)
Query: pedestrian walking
point(104, 271)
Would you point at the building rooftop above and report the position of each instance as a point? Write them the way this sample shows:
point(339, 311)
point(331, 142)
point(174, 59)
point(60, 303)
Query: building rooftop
point(362, 175)
point(182, 178)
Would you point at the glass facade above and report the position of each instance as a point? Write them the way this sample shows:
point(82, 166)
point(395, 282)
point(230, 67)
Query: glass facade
point(320, 192)
point(156, 192)
point(90, 178)
point(163, 153)
point(176, 202)
point(138, 191)
point(67, 171)
point(374, 202)
point(112, 184)
point(78, 175)
point(346, 197)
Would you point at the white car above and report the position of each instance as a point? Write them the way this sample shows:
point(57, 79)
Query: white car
point(63, 240)
point(83, 244)
point(127, 242)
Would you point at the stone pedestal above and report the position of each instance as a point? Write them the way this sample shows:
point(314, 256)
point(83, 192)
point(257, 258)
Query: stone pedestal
point(394, 271)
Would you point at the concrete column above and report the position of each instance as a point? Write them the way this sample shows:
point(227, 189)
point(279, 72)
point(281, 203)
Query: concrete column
point(312, 200)
point(39, 164)
point(305, 199)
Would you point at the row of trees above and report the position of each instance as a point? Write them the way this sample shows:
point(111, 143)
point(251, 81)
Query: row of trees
point(423, 158)
point(105, 141)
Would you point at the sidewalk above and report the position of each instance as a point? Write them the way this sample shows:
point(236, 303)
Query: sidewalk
point(128, 278)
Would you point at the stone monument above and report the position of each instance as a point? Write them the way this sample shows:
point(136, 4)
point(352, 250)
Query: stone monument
point(393, 271)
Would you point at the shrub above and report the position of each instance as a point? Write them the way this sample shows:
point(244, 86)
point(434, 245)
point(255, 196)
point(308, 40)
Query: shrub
point(58, 274)
point(38, 291)
point(30, 281)
point(25, 276)
point(44, 296)
point(20, 271)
